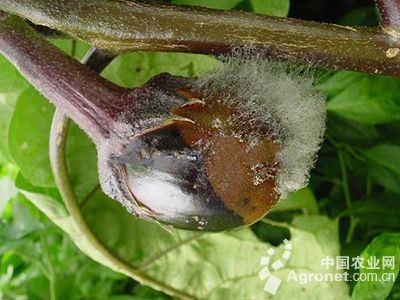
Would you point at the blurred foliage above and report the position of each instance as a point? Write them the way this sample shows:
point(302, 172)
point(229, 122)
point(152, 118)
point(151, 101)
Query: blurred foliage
point(38, 261)
point(351, 207)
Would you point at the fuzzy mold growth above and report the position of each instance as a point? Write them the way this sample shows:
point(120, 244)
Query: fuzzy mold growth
point(218, 151)
point(281, 97)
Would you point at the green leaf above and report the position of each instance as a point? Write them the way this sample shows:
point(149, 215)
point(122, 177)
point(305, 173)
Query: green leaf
point(377, 211)
point(29, 137)
point(383, 163)
point(365, 98)
point(386, 244)
point(278, 8)
point(324, 230)
point(29, 141)
point(76, 48)
point(12, 84)
point(220, 4)
point(351, 132)
point(21, 224)
point(23, 184)
point(301, 200)
point(361, 16)
point(134, 69)
point(338, 82)
point(7, 191)
point(8, 172)
point(81, 162)
point(26, 120)
point(2, 158)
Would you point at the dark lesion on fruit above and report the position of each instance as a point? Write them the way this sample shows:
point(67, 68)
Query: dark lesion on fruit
point(170, 184)
point(197, 168)
point(232, 155)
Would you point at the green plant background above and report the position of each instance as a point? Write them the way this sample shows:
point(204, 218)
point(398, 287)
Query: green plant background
point(351, 207)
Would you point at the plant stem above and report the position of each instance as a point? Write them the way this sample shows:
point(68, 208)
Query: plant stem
point(91, 101)
point(122, 25)
point(352, 228)
point(389, 11)
point(58, 138)
point(345, 185)
point(275, 223)
point(344, 178)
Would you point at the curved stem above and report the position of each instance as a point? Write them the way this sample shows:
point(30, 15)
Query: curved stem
point(347, 196)
point(275, 223)
point(126, 25)
point(58, 137)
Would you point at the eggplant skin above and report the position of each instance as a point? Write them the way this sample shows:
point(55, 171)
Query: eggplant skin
point(168, 180)
point(202, 168)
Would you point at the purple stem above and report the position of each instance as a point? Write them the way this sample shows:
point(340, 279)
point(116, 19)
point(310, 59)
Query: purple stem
point(89, 100)
point(390, 15)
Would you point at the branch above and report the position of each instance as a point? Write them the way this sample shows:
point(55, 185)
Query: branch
point(91, 101)
point(390, 16)
point(58, 138)
point(122, 25)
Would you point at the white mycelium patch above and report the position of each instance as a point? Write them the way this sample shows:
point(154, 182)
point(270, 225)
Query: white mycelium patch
point(282, 97)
